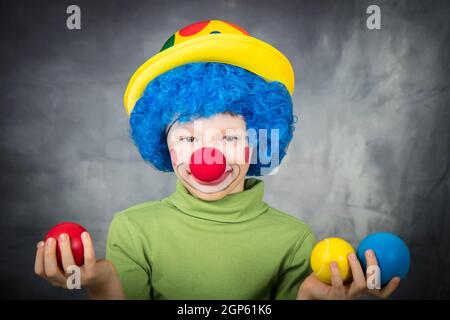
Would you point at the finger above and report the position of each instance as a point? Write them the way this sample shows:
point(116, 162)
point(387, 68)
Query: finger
point(390, 288)
point(337, 290)
point(66, 251)
point(371, 259)
point(358, 285)
point(336, 280)
point(39, 261)
point(89, 251)
point(52, 271)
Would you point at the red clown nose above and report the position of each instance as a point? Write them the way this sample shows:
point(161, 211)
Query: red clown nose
point(207, 164)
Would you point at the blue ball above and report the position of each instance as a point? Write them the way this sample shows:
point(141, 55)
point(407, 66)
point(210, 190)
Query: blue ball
point(391, 252)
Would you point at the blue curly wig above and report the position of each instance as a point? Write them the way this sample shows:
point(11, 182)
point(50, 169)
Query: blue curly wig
point(201, 90)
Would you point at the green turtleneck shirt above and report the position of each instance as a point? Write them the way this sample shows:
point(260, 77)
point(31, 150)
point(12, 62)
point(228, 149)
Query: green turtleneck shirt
point(182, 247)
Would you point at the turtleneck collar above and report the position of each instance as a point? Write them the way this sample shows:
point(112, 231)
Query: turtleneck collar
point(236, 207)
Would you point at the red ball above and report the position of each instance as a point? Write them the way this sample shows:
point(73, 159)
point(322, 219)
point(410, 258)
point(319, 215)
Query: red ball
point(74, 231)
point(207, 164)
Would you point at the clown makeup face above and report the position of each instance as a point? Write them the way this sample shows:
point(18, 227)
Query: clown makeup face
point(210, 156)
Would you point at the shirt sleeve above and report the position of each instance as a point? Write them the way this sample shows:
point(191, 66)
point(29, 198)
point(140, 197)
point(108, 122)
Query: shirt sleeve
point(130, 263)
point(297, 270)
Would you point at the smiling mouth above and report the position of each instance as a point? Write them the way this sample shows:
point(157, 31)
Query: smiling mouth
point(231, 173)
point(222, 178)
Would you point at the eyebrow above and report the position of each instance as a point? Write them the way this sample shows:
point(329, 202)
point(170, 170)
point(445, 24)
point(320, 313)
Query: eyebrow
point(234, 132)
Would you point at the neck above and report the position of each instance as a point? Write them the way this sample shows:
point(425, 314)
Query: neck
point(237, 207)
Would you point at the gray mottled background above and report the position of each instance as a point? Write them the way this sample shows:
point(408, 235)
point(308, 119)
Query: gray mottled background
point(370, 153)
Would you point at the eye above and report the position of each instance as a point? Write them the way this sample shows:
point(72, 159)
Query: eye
point(189, 139)
point(230, 138)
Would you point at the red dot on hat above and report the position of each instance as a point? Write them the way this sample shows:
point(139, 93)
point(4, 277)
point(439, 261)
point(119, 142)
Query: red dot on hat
point(193, 28)
point(238, 27)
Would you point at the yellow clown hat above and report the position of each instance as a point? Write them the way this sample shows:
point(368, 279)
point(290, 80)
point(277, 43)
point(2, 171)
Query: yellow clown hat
point(212, 41)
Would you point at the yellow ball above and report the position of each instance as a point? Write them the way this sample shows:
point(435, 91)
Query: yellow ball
point(326, 251)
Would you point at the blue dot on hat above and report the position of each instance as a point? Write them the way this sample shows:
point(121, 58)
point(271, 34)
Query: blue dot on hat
point(215, 32)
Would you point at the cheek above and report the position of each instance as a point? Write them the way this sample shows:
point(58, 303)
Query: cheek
point(246, 154)
point(239, 155)
point(173, 156)
point(180, 154)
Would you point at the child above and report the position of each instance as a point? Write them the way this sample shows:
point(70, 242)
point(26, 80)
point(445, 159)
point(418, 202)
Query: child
point(214, 106)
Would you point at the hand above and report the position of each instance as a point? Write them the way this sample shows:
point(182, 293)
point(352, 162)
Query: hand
point(313, 288)
point(96, 275)
point(392, 285)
